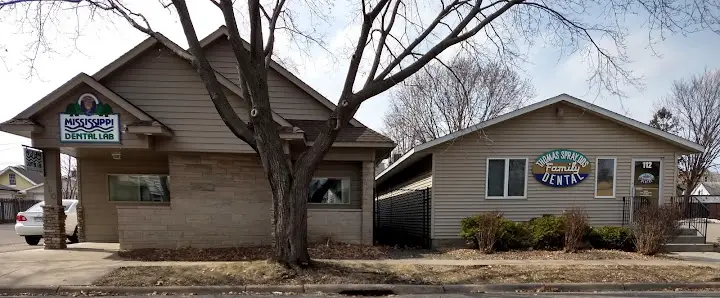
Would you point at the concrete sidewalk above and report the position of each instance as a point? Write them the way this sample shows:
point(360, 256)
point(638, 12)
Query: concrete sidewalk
point(84, 262)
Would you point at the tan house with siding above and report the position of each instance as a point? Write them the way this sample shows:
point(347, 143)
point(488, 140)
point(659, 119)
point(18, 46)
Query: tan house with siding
point(545, 158)
point(157, 167)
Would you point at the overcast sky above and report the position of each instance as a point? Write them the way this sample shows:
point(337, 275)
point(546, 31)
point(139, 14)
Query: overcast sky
point(550, 72)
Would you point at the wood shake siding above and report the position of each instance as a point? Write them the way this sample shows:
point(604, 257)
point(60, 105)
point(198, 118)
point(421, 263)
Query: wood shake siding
point(101, 221)
point(169, 90)
point(460, 167)
point(286, 99)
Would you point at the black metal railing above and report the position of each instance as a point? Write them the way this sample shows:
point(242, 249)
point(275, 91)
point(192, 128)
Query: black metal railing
point(693, 213)
point(402, 218)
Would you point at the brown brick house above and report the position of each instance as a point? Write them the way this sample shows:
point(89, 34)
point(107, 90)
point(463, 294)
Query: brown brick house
point(157, 167)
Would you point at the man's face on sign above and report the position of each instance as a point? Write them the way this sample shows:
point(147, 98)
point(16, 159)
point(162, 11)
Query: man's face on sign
point(88, 103)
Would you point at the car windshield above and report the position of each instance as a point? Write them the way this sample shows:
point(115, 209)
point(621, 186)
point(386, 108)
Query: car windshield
point(38, 207)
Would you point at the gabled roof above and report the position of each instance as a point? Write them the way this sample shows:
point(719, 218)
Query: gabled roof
point(149, 43)
point(312, 129)
point(31, 176)
point(713, 188)
point(222, 32)
point(78, 80)
point(419, 151)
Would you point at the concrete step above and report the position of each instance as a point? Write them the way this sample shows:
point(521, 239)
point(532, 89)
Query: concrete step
point(694, 247)
point(688, 239)
point(688, 232)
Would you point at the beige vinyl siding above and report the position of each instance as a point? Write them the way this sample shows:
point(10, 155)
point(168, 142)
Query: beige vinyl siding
point(339, 169)
point(169, 90)
point(286, 99)
point(460, 167)
point(49, 120)
point(101, 221)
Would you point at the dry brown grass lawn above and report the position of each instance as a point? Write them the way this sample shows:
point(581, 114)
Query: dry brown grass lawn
point(337, 251)
point(262, 272)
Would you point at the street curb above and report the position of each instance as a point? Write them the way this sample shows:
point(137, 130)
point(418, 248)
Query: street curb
point(367, 288)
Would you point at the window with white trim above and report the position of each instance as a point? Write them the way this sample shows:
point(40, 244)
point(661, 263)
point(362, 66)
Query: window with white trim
point(506, 178)
point(605, 169)
point(13, 179)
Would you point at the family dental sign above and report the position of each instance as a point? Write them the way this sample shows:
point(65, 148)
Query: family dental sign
point(89, 121)
point(561, 168)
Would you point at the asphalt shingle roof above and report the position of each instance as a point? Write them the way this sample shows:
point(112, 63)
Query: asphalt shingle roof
point(7, 188)
point(349, 133)
point(36, 177)
point(713, 188)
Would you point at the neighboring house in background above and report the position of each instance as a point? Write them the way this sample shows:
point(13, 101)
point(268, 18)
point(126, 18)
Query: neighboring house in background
point(548, 157)
point(23, 180)
point(710, 176)
point(160, 156)
point(7, 192)
point(710, 192)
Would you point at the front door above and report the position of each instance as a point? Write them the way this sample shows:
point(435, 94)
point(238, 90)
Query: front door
point(647, 182)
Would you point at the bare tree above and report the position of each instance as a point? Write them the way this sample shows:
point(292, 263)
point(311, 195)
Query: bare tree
point(441, 99)
point(696, 104)
point(396, 39)
point(68, 174)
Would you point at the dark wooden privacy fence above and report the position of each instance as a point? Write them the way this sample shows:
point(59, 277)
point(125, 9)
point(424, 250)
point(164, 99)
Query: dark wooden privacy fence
point(402, 218)
point(10, 207)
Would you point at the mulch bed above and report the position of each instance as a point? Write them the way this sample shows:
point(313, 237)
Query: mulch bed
point(263, 272)
point(340, 251)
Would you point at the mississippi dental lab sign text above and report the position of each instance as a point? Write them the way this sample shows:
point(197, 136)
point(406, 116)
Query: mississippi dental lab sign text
point(89, 121)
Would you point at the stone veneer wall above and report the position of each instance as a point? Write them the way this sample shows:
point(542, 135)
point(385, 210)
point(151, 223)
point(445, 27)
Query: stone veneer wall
point(223, 200)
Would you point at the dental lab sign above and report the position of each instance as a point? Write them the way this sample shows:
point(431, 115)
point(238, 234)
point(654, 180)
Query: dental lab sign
point(561, 168)
point(89, 121)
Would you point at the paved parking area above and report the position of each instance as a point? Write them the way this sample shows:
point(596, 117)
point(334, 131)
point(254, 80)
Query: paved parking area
point(713, 232)
point(9, 241)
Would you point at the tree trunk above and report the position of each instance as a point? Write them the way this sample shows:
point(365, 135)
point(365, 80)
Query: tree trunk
point(290, 221)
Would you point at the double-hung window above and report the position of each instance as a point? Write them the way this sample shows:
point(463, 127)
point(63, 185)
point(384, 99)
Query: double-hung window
point(605, 169)
point(506, 178)
point(13, 179)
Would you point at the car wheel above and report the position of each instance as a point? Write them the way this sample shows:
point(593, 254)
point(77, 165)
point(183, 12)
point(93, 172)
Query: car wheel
point(32, 240)
point(74, 237)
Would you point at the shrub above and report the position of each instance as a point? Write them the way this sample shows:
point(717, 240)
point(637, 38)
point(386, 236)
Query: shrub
point(489, 226)
point(612, 238)
point(469, 227)
point(514, 235)
point(653, 226)
point(576, 227)
point(547, 232)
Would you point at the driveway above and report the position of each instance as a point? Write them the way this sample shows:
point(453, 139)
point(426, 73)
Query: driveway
point(713, 232)
point(9, 241)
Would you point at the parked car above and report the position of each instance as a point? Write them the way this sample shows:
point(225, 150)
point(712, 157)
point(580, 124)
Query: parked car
point(29, 223)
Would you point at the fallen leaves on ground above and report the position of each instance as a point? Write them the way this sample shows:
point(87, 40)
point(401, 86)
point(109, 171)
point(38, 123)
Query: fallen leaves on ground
point(263, 272)
point(341, 251)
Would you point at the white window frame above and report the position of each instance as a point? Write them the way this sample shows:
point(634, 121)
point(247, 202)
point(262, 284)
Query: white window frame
point(342, 181)
point(506, 179)
point(14, 179)
point(597, 160)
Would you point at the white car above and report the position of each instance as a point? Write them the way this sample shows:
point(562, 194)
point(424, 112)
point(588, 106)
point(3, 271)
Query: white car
point(29, 223)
